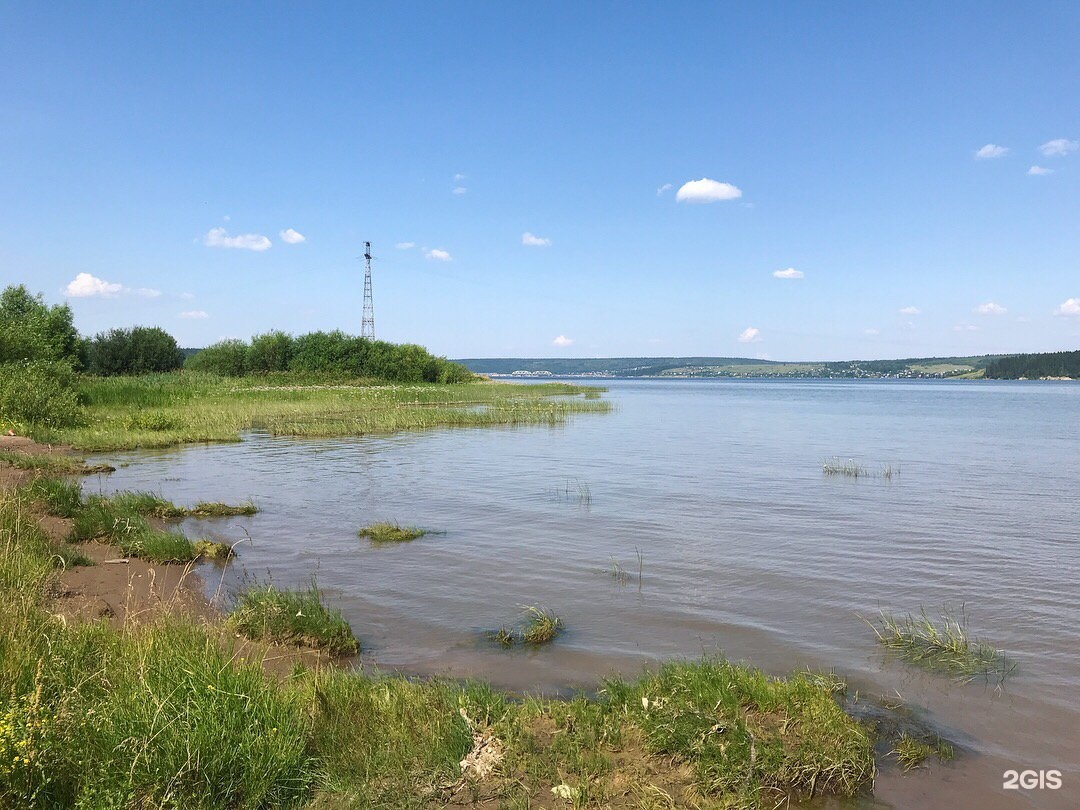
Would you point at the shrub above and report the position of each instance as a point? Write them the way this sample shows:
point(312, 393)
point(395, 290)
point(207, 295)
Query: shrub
point(30, 330)
point(38, 392)
point(139, 350)
point(270, 352)
point(227, 358)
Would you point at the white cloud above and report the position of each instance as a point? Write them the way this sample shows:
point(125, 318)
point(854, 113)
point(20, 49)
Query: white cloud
point(85, 285)
point(990, 151)
point(1059, 147)
point(749, 335)
point(1038, 170)
point(1070, 308)
point(405, 245)
point(562, 341)
point(664, 189)
point(707, 191)
point(186, 296)
point(459, 177)
point(435, 254)
point(990, 308)
point(219, 237)
point(194, 315)
point(460, 190)
point(910, 311)
point(531, 240)
point(791, 272)
point(292, 237)
point(965, 327)
point(148, 292)
point(871, 332)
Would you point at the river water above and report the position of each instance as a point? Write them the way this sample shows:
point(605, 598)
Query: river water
point(746, 546)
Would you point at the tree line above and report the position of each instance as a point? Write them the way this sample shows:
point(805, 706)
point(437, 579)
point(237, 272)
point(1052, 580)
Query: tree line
point(41, 354)
point(1034, 366)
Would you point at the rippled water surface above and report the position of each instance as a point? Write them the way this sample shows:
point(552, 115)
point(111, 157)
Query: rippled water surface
point(746, 546)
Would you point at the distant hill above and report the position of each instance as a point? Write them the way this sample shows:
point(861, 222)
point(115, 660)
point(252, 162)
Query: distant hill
point(924, 367)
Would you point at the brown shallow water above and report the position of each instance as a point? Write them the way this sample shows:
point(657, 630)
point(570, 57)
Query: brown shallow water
point(747, 547)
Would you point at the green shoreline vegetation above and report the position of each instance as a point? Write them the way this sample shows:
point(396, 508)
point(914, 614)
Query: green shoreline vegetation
point(387, 532)
point(167, 713)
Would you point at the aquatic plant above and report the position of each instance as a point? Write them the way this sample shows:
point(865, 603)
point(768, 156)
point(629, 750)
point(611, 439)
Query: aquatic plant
point(205, 509)
point(266, 613)
point(911, 752)
point(211, 550)
point(387, 532)
point(945, 646)
point(575, 490)
point(848, 467)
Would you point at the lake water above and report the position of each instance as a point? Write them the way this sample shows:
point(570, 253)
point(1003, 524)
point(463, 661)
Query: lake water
point(746, 547)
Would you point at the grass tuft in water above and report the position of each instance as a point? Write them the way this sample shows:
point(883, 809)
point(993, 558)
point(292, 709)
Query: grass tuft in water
point(943, 646)
point(850, 468)
point(266, 613)
point(387, 532)
point(211, 550)
point(537, 626)
point(213, 509)
point(911, 752)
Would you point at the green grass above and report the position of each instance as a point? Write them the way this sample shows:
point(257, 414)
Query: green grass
point(66, 556)
point(51, 464)
point(943, 646)
point(911, 752)
point(58, 497)
point(211, 550)
point(266, 613)
point(205, 509)
point(168, 714)
point(537, 626)
point(385, 532)
point(169, 409)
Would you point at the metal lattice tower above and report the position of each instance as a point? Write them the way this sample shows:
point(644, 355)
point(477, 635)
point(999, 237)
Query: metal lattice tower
point(367, 328)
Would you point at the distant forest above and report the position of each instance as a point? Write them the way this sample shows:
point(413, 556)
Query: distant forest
point(1034, 366)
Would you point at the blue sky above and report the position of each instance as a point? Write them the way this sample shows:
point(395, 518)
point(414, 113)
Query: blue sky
point(148, 151)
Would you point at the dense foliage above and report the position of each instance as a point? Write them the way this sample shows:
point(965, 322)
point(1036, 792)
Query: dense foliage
point(39, 348)
point(139, 350)
point(1034, 366)
point(331, 353)
point(32, 330)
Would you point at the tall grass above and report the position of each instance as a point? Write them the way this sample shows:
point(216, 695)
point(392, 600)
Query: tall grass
point(944, 645)
point(168, 409)
point(266, 613)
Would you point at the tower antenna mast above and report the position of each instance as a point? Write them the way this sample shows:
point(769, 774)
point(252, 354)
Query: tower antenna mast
point(367, 327)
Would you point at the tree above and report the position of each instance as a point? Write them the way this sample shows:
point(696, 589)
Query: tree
point(32, 330)
point(269, 352)
point(139, 350)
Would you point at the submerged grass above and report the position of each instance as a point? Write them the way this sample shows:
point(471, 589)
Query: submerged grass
point(167, 713)
point(911, 752)
point(266, 613)
point(387, 532)
point(850, 468)
point(943, 646)
point(169, 409)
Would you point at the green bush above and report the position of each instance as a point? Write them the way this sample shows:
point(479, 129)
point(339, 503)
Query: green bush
point(139, 350)
point(270, 352)
point(38, 392)
point(227, 358)
point(30, 330)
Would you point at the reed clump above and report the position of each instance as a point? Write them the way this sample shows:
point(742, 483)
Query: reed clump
point(537, 626)
point(850, 468)
point(266, 613)
point(388, 532)
point(943, 645)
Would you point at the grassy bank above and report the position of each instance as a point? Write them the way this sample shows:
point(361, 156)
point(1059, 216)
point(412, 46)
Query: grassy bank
point(162, 410)
point(165, 713)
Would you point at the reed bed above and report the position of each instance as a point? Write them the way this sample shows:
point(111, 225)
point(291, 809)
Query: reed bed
point(943, 645)
point(170, 409)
